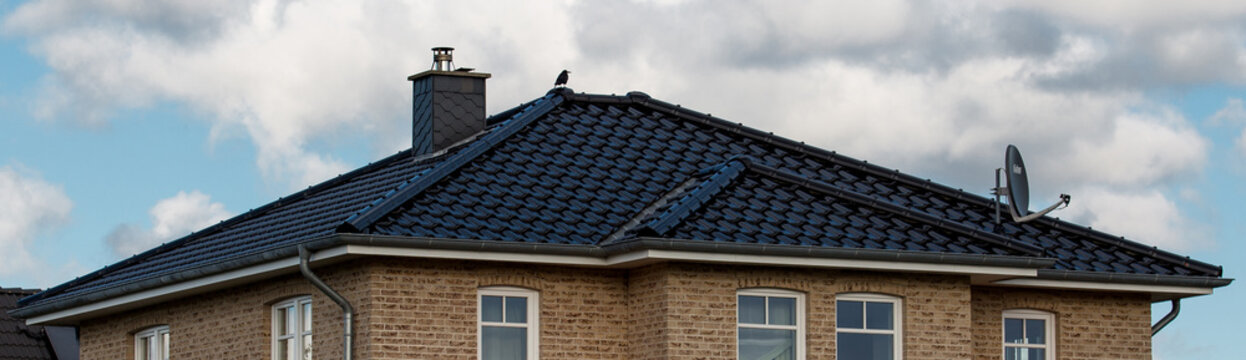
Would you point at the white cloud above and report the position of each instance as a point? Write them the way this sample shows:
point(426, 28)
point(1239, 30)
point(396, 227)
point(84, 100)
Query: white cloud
point(1132, 14)
point(29, 206)
point(1176, 342)
point(287, 73)
point(1148, 216)
point(1232, 114)
point(934, 88)
point(170, 218)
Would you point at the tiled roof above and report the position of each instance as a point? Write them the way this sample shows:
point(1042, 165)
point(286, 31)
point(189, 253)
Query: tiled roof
point(584, 170)
point(742, 202)
point(589, 170)
point(305, 215)
point(18, 341)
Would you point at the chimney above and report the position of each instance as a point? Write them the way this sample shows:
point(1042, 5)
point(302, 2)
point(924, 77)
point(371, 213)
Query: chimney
point(449, 105)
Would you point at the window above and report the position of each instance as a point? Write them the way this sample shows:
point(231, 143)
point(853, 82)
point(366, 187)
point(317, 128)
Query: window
point(152, 344)
point(292, 329)
point(867, 327)
point(508, 323)
point(770, 325)
point(1029, 335)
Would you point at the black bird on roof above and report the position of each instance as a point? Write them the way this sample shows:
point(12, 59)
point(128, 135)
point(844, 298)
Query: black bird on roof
point(562, 78)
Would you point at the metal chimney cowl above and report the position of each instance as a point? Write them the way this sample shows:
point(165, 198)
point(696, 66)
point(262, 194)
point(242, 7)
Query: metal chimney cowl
point(448, 106)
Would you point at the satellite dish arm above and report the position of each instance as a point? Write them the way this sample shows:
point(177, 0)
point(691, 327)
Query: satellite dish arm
point(1064, 200)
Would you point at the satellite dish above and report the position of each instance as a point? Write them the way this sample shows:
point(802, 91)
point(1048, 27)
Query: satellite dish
point(1018, 184)
point(1018, 189)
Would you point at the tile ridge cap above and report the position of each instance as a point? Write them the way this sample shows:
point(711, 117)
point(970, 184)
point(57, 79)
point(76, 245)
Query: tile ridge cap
point(391, 200)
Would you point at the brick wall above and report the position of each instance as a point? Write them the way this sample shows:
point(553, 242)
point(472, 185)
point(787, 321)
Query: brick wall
point(415, 308)
point(1089, 325)
point(427, 309)
point(227, 324)
point(701, 315)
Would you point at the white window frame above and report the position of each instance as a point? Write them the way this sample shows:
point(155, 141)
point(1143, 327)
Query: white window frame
point(297, 305)
point(534, 319)
point(158, 346)
point(1049, 330)
point(769, 293)
point(897, 315)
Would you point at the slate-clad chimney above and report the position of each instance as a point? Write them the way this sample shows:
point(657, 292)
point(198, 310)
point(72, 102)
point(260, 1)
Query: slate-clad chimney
point(449, 105)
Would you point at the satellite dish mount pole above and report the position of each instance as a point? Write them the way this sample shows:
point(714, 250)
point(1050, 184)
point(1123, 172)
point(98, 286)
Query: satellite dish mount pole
point(998, 191)
point(1018, 190)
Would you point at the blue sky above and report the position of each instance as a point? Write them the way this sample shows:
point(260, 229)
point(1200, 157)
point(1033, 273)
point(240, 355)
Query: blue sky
point(130, 123)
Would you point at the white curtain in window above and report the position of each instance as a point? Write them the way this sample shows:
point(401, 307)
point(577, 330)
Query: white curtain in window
point(505, 343)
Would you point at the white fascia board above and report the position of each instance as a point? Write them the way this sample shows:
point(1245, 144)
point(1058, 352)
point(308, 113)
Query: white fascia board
point(1102, 286)
point(853, 264)
point(647, 256)
point(200, 285)
point(373, 250)
point(630, 259)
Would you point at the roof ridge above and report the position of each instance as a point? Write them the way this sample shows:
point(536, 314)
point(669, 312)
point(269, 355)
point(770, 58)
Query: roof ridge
point(640, 98)
point(736, 165)
point(18, 291)
point(717, 177)
point(418, 183)
point(621, 233)
point(887, 206)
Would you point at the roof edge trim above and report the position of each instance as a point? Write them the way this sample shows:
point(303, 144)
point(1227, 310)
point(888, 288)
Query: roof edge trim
point(651, 243)
point(1138, 279)
point(383, 206)
point(119, 290)
point(619, 252)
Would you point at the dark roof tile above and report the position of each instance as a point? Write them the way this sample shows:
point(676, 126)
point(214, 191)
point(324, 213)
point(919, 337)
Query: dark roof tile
point(18, 341)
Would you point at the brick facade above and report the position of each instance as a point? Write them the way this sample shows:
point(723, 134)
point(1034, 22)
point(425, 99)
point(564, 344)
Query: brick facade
point(1088, 325)
point(416, 308)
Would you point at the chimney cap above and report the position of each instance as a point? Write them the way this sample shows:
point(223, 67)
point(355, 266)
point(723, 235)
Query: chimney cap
point(443, 64)
point(443, 58)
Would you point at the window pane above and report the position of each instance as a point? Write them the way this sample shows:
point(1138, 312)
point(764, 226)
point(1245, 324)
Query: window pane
point(849, 314)
point(292, 320)
point(752, 310)
point(144, 348)
point(491, 308)
point(782, 311)
point(504, 343)
point(1013, 331)
point(1035, 332)
point(516, 310)
point(307, 320)
point(1024, 354)
point(283, 349)
point(164, 342)
point(1014, 353)
point(767, 344)
point(864, 346)
point(282, 318)
point(307, 347)
point(878, 315)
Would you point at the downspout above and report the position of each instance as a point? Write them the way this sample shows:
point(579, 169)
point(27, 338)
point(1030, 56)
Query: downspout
point(348, 311)
point(1176, 308)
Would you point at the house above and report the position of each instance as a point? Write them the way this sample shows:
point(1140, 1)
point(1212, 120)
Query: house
point(581, 226)
point(19, 341)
